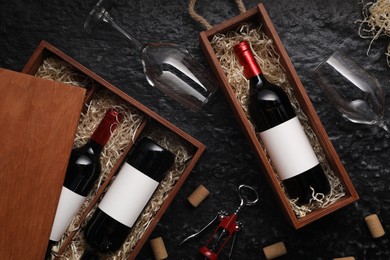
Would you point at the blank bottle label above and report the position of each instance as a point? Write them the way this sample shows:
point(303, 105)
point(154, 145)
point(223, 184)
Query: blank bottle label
point(128, 195)
point(70, 202)
point(290, 150)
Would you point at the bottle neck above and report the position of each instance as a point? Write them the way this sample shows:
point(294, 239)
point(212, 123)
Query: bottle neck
point(106, 127)
point(247, 60)
point(257, 82)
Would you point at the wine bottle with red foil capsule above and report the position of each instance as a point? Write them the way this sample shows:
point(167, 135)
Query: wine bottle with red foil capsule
point(132, 188)
point(279, 128)
point(82, 172)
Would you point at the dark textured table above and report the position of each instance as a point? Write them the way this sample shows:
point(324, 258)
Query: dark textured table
point(310, 31)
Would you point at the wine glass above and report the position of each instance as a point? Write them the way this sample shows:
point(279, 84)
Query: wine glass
point(167, 66)
point(352, 90)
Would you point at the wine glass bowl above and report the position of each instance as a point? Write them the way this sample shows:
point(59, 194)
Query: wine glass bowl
point(356, 94)
point(172, 70)
point(167, 66)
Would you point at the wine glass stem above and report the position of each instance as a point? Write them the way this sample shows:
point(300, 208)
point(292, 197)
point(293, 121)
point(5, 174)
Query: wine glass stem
point(108, 19)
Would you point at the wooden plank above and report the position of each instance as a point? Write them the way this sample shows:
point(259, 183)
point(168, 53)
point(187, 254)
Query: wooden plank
point(38, 123)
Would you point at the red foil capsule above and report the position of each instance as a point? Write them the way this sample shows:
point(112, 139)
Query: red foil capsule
point(106, 127)
point(246, 59)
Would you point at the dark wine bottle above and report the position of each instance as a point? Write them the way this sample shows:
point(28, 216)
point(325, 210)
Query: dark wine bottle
point(82, 172)
point(279, 128)
point(125, 199)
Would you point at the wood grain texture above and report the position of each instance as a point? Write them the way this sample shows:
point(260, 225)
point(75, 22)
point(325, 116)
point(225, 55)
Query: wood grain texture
point(38, 122)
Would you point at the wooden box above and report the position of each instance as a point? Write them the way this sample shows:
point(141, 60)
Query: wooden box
point(258, 16)
point(150, 124)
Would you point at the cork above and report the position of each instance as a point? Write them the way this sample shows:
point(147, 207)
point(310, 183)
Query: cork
point(158, 248)
point(275, 250)
point(198, 196)
point(345, 258)
point(375, 226)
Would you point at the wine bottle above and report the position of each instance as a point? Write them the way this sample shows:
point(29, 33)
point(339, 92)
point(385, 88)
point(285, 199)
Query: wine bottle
point(82, 172)
point(125, 199)
point(279, 128)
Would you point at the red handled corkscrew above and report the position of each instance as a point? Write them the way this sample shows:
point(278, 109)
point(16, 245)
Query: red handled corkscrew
point(228, 226)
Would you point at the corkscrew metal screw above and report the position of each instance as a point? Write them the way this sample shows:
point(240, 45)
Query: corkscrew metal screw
point(228, 226)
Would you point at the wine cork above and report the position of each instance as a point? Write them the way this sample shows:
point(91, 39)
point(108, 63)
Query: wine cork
point(158, 248)
point(198, 196)
point(375, 226)
point(345, 258)
point(275, 250)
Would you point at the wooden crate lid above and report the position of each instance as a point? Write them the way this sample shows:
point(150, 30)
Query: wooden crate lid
point(38, 123)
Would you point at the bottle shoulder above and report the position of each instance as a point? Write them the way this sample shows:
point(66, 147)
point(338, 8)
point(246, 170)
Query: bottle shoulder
point(150, 158)
point(90, 149)
point(85, 154)
point(259, 84)
point(268, 105)
point(82, 172)
point(268, 93)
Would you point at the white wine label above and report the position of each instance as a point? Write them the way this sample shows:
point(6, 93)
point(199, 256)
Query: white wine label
point(289, 149)
point(70, 202)
point(128, 194)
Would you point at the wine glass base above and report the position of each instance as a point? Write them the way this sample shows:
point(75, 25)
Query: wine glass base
point(96, 15)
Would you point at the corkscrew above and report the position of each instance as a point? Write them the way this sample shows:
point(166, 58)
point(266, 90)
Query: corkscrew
point(228, 226)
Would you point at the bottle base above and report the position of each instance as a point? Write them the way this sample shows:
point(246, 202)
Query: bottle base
point(305, 185)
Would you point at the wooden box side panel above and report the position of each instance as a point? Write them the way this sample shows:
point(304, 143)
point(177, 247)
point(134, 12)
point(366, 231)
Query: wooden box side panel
point(35, 60)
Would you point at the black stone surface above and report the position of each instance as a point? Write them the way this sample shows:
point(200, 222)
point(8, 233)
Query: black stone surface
point(310, 31)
